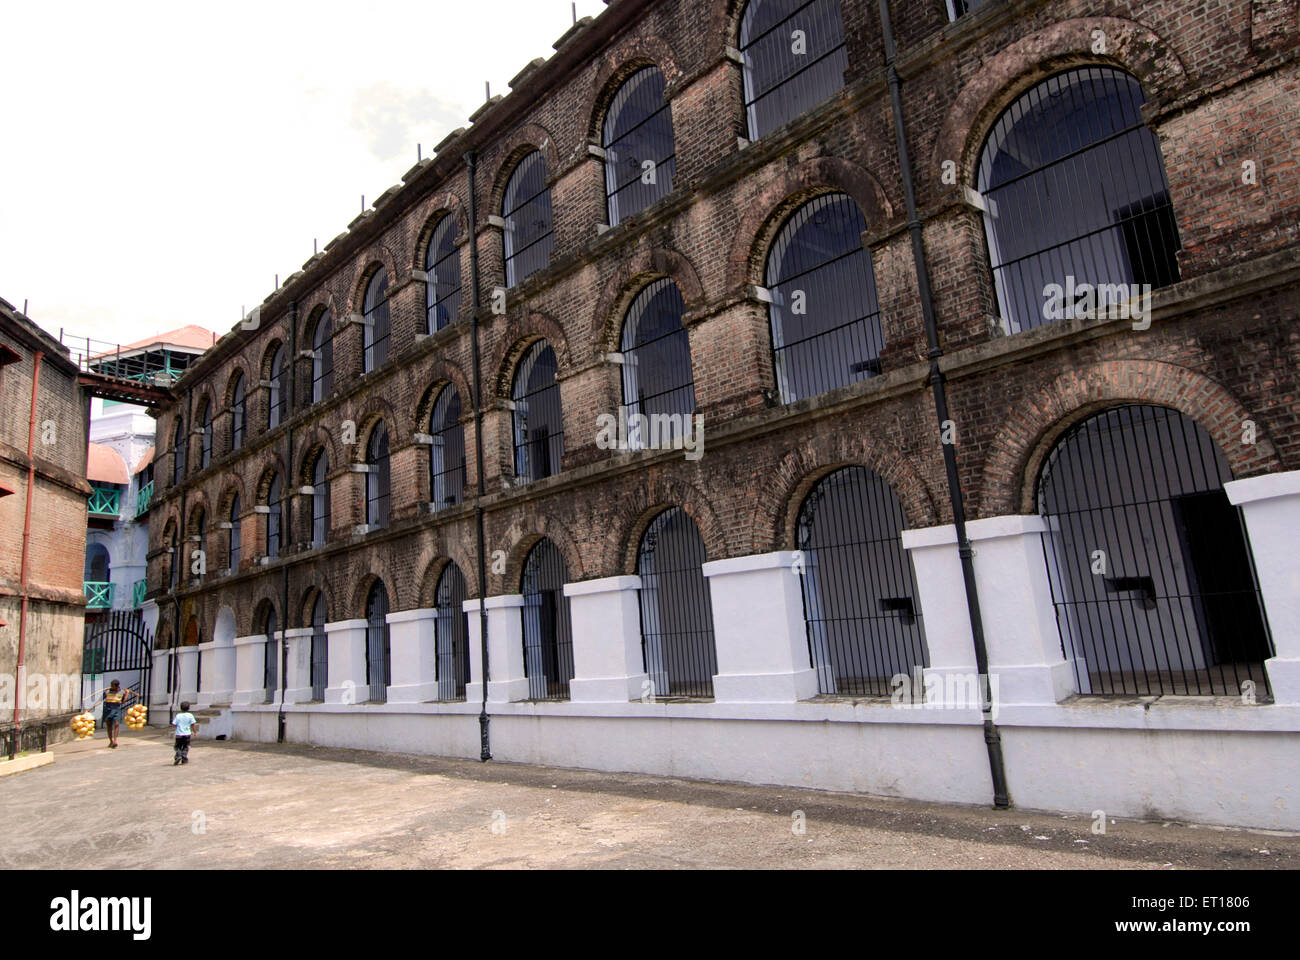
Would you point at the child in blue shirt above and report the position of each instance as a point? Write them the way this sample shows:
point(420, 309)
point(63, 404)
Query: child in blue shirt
point(184, 722)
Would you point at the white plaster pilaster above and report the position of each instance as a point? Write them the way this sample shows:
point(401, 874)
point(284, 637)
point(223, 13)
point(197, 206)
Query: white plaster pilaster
point(413, 647)
point(607, 659)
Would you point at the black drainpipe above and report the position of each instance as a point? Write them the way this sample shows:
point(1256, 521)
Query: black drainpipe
point(938, 385)
point(175, 573)
point(286, 499)
point(471, 163)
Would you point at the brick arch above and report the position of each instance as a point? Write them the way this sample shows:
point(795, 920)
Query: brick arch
point(262, 597)
point(198, 501)
point(367, 264)
point(320, 301)
point(647, 502)
point(367, 415)
point(307, 600)
point(1130, 46)
point(435, 561)
point(231, 485)
point(312, 440)
point(767, 212)
point(524, 140)
point(629, 56)
point(522, 334)
point(1031, 428)
point(442, 372)
point(270, 466)
point(440, 206)
point(524, 540)
point(723, 21)
point(239, 370)
point(357, 608)
point(776, 513)
point(635, 271)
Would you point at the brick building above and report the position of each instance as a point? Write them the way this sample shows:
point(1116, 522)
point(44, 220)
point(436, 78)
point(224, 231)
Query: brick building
point(754, 381)
point(43, 422)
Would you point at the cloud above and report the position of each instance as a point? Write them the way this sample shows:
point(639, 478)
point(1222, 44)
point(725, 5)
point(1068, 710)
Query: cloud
point(392, 120)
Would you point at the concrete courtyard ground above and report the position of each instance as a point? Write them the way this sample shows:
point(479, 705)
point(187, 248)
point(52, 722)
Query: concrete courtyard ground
point(263, 806)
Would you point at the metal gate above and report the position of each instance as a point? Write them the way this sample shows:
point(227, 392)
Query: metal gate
point(119, 645)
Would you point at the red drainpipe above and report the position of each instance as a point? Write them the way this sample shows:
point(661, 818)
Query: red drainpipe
point(37, 357)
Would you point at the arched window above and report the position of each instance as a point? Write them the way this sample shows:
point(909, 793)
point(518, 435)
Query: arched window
point(1150, 567)
point(378, 656)
point(270, 651)
point(1075, 194)
point(442, 263)
point(825, 318)
point(548, 626)
point(98, 564)
point(640, 158)
point(320, 500)
point(206, 448)
point(539, 423)
point(657, 378)
point(859, 591)
point(526, 209)
point(377, 326)
point(279, 388)
point(377, 477)
point(274, 497)
point(322, 358)
point(235, 535)
point(794, 58)
point(452, 641)
point(320, 649)
point(178, 451)
point(237, 410)
point(447, 453)
point(676, 611)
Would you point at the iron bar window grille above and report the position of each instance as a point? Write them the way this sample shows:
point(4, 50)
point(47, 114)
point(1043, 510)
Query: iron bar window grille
point(547, 624)
point(322, 357)
point(1074, 186)
point(793, 58)
point(447, 452)
point(1150, 565)
point(538, 418)
point(958, 8)
point(451, 635)
point(442, 264)
point(320, 650)
point(859, 590)
point(279, 388)
point(657, 376)
point(677, 643)
point(205, 452)
point(640, 156)
point(526, 209)
point(178, 452)
point(378, 652)
point(378, 477)
point(274, 497)
point(826, 330)
point(378, 325)
point(173, 560)
point(236, 537)
point(320, 501)
point(238, 408)
point(270, 656)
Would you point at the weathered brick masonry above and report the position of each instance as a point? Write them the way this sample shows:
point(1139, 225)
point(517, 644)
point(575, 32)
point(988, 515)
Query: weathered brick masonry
point(1221, 79)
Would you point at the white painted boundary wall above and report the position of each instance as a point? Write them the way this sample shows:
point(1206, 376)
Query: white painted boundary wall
point(1202, 759)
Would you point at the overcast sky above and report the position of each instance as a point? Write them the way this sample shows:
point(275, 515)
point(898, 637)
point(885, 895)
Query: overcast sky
point(161, 162)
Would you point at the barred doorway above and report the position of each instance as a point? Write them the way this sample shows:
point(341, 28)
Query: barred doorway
point(548, 630)
point(859, 591)
point(676, 611)
point(451, 639)
point(1150, 565)
point(320, 649)
point(378, 652)
point(117, 646)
